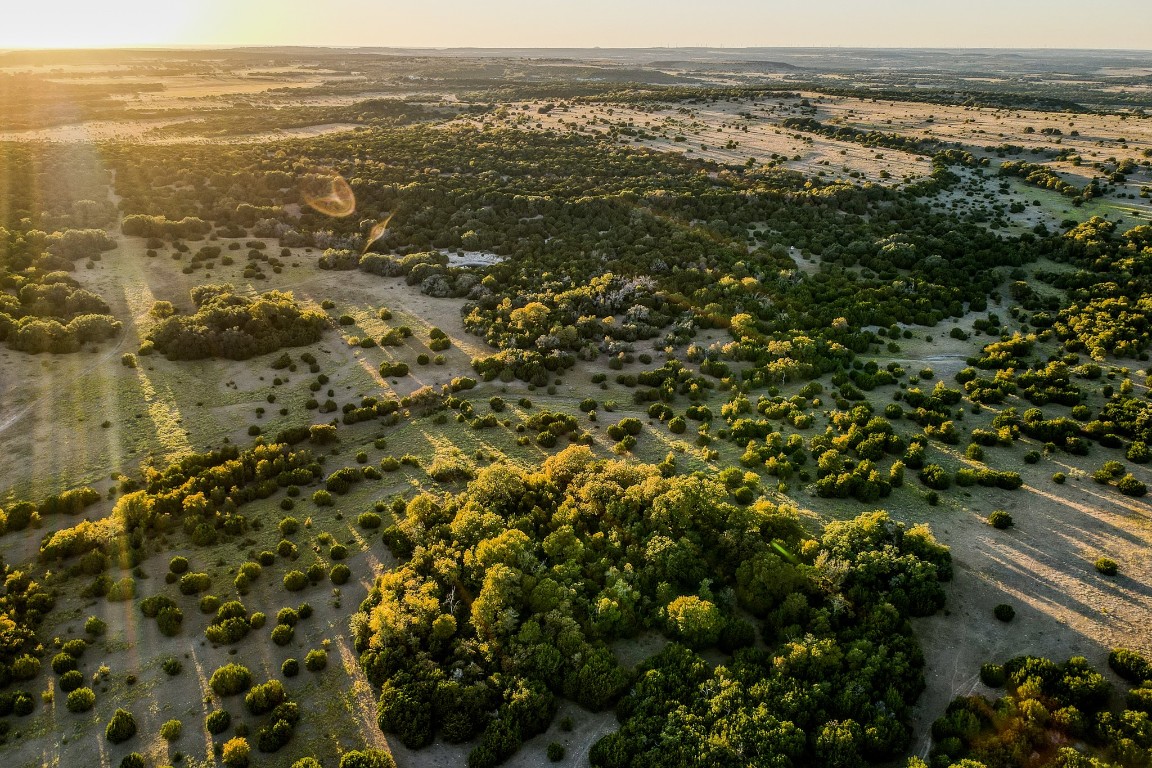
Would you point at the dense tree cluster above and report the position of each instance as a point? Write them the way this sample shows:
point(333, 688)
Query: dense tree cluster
point(559, 561)
point(602, 245)
point(1051, 715)
point(236, 327)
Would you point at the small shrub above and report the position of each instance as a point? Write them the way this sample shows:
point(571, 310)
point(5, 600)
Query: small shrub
point(121, 727)
point(82, 700)
point(230, 680)
point(1004, 612)
point(369, 521)
point(265, 697)
point(1107, 566)
point(218, 721)
point(172, 666)
point(367, 758)
point(294, 581)
point(555, 752)
point(171, 730)
point(290, 668)
point(70, 681)
point(340, 574)
point(236, 752)
point(1130, 665)
point(993, 675)
point(316, 660)
point(282, 634)
point(1000, 519)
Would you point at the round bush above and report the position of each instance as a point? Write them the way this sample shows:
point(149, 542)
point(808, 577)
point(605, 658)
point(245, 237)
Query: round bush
point(367, 758)
point(169, 621)
point(1000, 519)
point(282, 634)
point(290, 668)
point(316, 660)
point(1107, 566)
point(81, 700)
point(178, 565)
point(369, 520)
point(171, 730)
point(235, 753)
point(230, 680)
point(1004, 612)
point(218, 721)
point(1059, 478)
point(132, 760)
point(294, 581)
point(121, 727)
point(23, 704)
point(338, 552)
point(555, 752)
point(70, 681)
point(340, 574)
point(75, 648)
point(63, 662)
point(172, 666)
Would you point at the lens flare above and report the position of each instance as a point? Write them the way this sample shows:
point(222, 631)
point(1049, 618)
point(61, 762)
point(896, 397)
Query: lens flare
point(378, 231)
point(328, 193)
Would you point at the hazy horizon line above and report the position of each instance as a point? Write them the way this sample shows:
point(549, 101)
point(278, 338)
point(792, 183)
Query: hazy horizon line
point(352, 47)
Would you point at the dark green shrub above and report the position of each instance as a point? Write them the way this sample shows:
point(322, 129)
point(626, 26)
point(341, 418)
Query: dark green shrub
point(993, 675)
point(230, 680)
point(169, 621)
point(265, 697)
point(1004, 612)
point(217, 722)
point(294, 581)
point(63, 662)
point(340, 573)
point(82, 700)
point(1130, 665)
point(1107, 566)
point(121, 727)
point(70, 681)
point(367, 758)
point(1000, 519)
point(171, 730)
point(316, 660)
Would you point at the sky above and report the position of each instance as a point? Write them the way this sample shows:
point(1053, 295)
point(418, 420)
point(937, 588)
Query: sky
point(579, 23)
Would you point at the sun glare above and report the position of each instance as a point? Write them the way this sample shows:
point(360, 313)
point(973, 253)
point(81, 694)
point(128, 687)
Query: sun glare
point(79, 24)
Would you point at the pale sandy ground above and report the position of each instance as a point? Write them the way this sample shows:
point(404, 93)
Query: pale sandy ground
point(708, 128)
